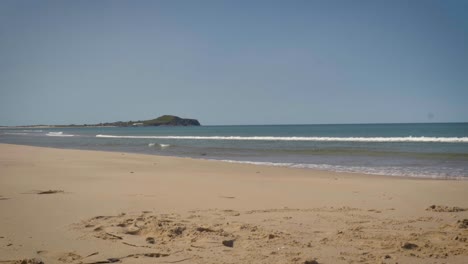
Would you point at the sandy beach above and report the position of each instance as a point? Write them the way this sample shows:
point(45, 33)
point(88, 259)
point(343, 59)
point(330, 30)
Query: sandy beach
point(76, 206)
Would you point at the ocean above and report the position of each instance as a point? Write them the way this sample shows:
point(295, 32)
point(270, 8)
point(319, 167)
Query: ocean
point(429, 150)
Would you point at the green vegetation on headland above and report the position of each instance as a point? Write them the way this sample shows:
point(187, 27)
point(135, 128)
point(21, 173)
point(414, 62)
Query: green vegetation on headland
point(165, 120)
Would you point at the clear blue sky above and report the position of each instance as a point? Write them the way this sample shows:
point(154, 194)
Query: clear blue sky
point(234, 62)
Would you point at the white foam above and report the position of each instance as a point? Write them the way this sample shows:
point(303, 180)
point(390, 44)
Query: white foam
point(387, 170)
point(163, 146)
point(36, 131)
point(13, 133)
point(58, 134)
point(325, 139)
point(277, 164)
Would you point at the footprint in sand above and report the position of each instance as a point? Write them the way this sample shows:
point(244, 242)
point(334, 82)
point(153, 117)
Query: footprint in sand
point(65, 257)
point(25, 261)
point(178, 234)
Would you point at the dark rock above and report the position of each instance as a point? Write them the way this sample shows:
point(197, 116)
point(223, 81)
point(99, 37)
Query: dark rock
point(408, 245)
point(150, 240)
point(228, 243)
point(311, 261)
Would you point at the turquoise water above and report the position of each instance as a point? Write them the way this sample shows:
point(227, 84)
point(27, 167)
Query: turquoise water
point(416, 150)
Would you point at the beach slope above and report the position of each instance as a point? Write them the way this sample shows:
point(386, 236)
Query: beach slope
point(76, 206)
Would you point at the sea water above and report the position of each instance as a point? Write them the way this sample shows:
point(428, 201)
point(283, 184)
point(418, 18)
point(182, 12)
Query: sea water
point(432, 150)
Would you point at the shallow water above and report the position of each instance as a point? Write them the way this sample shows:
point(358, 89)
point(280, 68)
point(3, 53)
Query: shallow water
point(416, 150)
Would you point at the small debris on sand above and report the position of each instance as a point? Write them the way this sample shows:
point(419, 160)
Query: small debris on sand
point(92, 254)
point(29, 261)
point(150, 240)
point(463, 223)
point(443, 208)
point(148, 255)
point(114, 236)
point(228, 197)
point(50, 192)
point(204, 229)
point(408, 245)
point(311, 261)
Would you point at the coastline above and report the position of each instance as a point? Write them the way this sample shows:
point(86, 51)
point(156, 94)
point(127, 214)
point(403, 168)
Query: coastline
point(260, 164)
point(340, 215)
point(414, 150)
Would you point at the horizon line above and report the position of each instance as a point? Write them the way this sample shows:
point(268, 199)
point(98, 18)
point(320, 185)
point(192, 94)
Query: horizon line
point(292, 124)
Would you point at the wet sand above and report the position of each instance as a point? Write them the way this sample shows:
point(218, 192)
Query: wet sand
point(75, 206)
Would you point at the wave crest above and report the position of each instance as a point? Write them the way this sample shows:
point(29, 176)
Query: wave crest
point(323, 139)
point(58, 134)
point(163, 146)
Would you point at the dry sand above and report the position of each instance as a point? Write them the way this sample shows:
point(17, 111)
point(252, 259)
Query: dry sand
point(74, 206)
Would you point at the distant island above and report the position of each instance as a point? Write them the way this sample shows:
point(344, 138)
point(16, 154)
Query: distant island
point(165, 120)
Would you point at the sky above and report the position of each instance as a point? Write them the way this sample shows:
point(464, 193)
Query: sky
point(234, 62)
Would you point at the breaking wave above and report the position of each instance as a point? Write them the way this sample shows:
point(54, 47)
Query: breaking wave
point(163, 146)
point(326, 139)
point(58, 134)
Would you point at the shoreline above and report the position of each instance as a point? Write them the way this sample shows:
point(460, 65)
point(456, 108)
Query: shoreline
point(249, 163)
point(63, 206)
